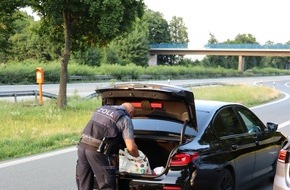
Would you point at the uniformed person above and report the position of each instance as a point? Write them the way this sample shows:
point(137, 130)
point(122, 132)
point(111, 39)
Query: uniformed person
point(100, 140)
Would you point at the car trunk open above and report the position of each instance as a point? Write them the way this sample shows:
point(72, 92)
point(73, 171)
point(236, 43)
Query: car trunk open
point(156, 138)
point(157, 150)
point(164, 117)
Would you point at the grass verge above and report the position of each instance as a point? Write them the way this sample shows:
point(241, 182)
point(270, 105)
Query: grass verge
point(244, 94)
point(27, 129)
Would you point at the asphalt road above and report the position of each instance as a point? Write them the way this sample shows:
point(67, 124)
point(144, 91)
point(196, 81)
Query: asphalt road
point(56, 170)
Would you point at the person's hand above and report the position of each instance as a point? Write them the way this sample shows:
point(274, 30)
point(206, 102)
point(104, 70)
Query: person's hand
point(132, 147)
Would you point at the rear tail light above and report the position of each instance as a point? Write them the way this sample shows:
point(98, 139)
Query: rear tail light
point(171, 188)
point(182, 159)
point(282, 156)
point(152, 104)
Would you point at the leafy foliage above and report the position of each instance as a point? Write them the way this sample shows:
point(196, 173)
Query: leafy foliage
point(158, 27)
point(24, 72)
point(178, 30)
point(231, 61)
point(8, 27)
point(83, 24)
point(133, 47)
point(90, 56)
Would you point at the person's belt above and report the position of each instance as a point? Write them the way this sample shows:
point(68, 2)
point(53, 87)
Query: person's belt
point(90, 141)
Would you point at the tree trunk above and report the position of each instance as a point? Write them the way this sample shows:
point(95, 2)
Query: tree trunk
point(62, 95)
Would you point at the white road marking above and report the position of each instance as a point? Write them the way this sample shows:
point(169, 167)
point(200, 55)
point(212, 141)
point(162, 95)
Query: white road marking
point(281, 125)
point(286, 96)
point(37, 157)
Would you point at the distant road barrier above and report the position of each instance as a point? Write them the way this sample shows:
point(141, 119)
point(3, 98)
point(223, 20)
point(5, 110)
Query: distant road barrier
point(15, 94)
point(35, 93)
point(95, 77)
point(106, 77)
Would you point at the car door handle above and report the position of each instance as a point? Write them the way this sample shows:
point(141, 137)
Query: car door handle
point(235, 147)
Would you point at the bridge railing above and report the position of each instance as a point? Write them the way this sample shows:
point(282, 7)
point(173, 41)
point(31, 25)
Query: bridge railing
point(247, 46)
point(169, 45)
point(223, 46)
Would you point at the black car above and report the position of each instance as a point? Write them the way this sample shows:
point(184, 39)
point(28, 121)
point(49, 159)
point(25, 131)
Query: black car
point(199, 144)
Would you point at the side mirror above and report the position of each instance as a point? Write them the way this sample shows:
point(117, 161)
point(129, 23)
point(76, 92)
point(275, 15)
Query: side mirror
point(272, 126)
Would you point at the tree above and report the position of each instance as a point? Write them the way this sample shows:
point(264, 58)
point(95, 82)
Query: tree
point(275, 61)
point(134, 46)
point(251, 61)
point(26, 42)
point(178, 30)
point(178, 34)
point(158, 31)
point(90, 56)
point(244, 39)
point(158, 27)
point(8, 14)
point(84, 23)
point(212, 39)
point(232, 61)
point(215, 61)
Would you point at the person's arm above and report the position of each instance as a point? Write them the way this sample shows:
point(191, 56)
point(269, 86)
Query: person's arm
point(132, 147)
point(126, 126)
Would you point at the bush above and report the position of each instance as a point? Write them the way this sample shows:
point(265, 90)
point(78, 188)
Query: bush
point(24, 72)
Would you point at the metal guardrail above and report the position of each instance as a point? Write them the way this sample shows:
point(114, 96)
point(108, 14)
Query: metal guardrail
point(106, 77)
point(90, 96)
point(15, 94)
point(95, 77)
point(35, 93)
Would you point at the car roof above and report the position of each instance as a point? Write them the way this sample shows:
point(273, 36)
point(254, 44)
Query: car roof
point(175, 102)
point(211, 105)
point(206, 109)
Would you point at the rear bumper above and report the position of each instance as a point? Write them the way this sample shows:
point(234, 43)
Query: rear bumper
point(172, 178)
point(178, 178)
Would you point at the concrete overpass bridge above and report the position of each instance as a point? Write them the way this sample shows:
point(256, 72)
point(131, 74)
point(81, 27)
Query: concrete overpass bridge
point(240, 50)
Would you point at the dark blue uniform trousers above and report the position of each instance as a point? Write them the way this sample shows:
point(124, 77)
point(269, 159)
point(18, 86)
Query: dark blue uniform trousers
point(92, 163)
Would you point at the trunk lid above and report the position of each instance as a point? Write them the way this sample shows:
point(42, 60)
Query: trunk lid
point(153, 101)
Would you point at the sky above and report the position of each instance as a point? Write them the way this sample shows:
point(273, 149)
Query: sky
point(266, 20)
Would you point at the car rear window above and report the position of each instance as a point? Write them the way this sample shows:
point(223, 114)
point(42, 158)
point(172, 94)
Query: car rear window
point(161, 125)
point(202, 118)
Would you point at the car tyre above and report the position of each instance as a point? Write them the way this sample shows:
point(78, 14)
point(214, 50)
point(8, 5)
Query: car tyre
point(225, 181)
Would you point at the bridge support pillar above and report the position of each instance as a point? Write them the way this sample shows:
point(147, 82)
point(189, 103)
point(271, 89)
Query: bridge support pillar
point(152, 60)
point(241, 65)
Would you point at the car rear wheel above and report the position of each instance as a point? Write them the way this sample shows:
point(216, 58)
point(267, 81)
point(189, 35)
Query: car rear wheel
point(225, 181)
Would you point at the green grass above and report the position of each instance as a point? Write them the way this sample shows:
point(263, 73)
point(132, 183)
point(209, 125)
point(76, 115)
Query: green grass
point(247, 95)
point(27, 128)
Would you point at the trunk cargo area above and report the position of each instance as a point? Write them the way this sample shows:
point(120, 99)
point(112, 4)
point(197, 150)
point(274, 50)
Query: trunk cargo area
point(156, 149)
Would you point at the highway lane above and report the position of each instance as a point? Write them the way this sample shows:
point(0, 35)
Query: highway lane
point(277, 111)
point(56, 170)
point(51, 171)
